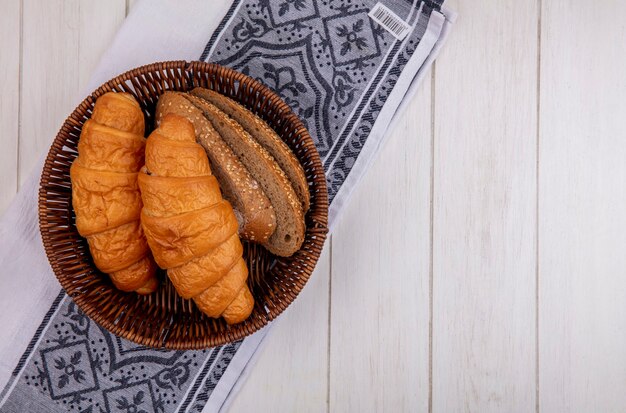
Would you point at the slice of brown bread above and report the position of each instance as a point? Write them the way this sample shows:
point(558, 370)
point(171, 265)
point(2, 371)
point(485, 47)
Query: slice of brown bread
point(254, 211)
point(289, 234)
point(266, 136)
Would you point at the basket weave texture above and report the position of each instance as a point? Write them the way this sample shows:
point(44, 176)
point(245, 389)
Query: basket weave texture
point(163, 319)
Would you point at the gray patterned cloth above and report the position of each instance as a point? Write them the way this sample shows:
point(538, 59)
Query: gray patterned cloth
point(328, 60)
point(77, 365)
point(344, 74)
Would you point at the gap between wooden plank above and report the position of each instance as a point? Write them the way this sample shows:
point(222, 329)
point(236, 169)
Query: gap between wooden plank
point(19, 100)
point(537, 338)
point(129, 5)
point(330, 294)
point(431, 236)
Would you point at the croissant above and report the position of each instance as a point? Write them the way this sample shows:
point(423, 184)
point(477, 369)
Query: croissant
point(191, 229)
point(105, 194)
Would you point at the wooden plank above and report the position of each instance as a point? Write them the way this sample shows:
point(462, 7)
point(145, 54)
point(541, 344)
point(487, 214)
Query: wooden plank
point(582, 194)
point(292, 369)
point(56, 64)
point(49, 75)
point(380, 277)
point(484, 224)
point(9, 98)
point(99, 21)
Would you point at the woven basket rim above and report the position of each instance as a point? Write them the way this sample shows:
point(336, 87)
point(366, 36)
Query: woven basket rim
point(317, 226)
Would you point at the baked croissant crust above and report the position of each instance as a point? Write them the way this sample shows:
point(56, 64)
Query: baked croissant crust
point(191, 229)
point(105, 193)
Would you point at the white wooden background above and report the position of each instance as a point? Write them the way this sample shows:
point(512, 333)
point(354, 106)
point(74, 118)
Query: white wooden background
point(480, 265)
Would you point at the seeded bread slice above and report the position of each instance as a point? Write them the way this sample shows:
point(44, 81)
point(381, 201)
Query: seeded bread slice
point(253, 209)
point(266, 136)
point(289, 234)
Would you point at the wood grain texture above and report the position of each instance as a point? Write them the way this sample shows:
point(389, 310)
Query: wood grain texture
point(291, 374)
point(10, 27)
point(56, 65)
point(484, 211)
point(380, 277)
point(49, 75)
point(582, 196)
point(374, 355)
point(99, 21)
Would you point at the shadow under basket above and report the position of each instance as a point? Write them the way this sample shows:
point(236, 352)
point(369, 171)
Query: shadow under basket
point(163, 319)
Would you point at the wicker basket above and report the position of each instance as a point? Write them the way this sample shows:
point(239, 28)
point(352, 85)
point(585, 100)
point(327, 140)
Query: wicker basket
point(163, 319)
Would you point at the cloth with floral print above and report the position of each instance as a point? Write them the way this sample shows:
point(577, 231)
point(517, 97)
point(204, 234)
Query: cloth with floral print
point(328, 60)
point(79, 366)
point(345, 76)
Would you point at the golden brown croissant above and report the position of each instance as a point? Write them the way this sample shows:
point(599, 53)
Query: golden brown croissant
point(191, 229)
point(105, 194)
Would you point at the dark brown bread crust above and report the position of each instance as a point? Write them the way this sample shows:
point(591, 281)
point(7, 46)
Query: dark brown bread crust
point(290, 228)
point(256, 217)
point(266, 136)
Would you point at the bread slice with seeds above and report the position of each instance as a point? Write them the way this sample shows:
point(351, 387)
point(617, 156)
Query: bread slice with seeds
point(266, 136)
point(289, 234)
point(254, 211)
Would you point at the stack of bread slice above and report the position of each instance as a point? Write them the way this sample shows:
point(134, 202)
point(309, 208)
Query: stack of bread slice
point(257, 172)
